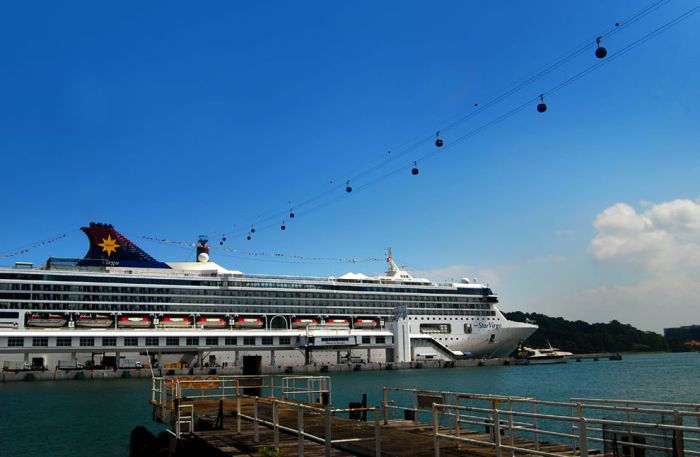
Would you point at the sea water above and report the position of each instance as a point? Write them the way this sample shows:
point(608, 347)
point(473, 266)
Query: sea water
point(69, 418)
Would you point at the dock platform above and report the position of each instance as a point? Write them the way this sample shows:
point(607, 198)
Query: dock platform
point(290, 416)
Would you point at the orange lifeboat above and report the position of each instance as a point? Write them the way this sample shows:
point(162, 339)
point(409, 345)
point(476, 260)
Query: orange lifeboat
point(248, 322)
point(338, 322)
point(365, 323)
point(47, 320)
point(303, 322)
point(133, 322)
point(211, 322)
point(94, 321)
point(175, 322)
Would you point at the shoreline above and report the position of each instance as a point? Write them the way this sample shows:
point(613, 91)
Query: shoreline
point(145, 373)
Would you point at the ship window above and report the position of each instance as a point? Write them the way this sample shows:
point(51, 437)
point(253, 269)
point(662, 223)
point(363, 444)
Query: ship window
point(15, 341)
point(192, 341)
point(131, 341)
point(231, 341)
point(63, 341)
point(467, 328)
point(109, 341)
point(435, 328)
point(267, 340)
point(212, 341)
point(492, 339)
point(87, 341)
point(8, 315)
point(249, 340)
point(151, 341)
point(380, 340)
point(366, 340)
point(285, 340)
point(40, 341)
point(172, 341)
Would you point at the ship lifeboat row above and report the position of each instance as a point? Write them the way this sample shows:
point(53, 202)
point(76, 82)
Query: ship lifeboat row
point(106, 321)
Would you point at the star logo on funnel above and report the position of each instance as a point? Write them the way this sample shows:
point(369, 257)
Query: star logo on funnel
point(109, 245)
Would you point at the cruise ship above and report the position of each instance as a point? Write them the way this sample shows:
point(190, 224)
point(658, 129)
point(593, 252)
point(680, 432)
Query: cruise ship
point(118, 304)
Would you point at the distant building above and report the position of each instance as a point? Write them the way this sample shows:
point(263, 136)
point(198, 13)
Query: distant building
point(683, 338)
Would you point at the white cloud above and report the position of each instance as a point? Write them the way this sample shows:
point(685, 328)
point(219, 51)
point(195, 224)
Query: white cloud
point(665, 236)
point(662, 242)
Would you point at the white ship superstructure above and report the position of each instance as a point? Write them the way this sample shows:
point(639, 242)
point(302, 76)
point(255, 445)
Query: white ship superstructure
point(118, 300)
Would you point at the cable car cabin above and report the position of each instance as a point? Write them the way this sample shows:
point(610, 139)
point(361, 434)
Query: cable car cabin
point(248, 322)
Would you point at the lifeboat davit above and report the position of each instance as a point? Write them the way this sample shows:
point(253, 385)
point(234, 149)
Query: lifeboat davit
point(302, 323)
point(338, 322)
point(48, 320)
point(175, 322)
point(365, 323)
point(248, 322)
point(96, 321)
point(134, 322)
point(211, 322)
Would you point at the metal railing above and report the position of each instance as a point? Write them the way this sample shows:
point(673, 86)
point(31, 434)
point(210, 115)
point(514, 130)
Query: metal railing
point(169, 394)
point(497, 421)
point(266, 412)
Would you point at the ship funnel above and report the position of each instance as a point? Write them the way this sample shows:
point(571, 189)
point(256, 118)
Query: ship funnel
point(203, 249)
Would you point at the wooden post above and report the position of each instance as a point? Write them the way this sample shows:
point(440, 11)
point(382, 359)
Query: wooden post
point(583, 438)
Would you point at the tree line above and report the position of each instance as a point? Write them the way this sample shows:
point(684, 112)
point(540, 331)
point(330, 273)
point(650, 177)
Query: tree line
point(581, 337)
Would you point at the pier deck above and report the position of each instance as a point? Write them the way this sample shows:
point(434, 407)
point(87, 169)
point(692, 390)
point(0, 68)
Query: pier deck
point(223, 421)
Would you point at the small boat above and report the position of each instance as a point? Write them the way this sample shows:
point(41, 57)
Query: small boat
point(133, 322)
point(212, 322)
point(532, 356)
point(248, 322)
point(47, 320)
point(175, 322)
point(365, 323)
point(338, 322)
point(94, 321)
point(303, 322)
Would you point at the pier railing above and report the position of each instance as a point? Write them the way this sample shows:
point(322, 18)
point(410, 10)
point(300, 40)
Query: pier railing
point(614, 427)
point(308, 396)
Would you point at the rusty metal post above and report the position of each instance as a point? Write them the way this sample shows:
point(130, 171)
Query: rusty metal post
point(436, 430)
point(583, 438)
point(678, 443)
point(275, 424)
point(496, 431)
point(327, 430)
point(256, 434)
point(300, 427)
point(377, 435)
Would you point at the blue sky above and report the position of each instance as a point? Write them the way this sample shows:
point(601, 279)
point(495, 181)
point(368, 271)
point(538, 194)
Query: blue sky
point(171, 119)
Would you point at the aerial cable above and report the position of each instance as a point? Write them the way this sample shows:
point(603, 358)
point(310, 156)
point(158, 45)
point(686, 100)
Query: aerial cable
point(480, 108)
point(30, 247)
